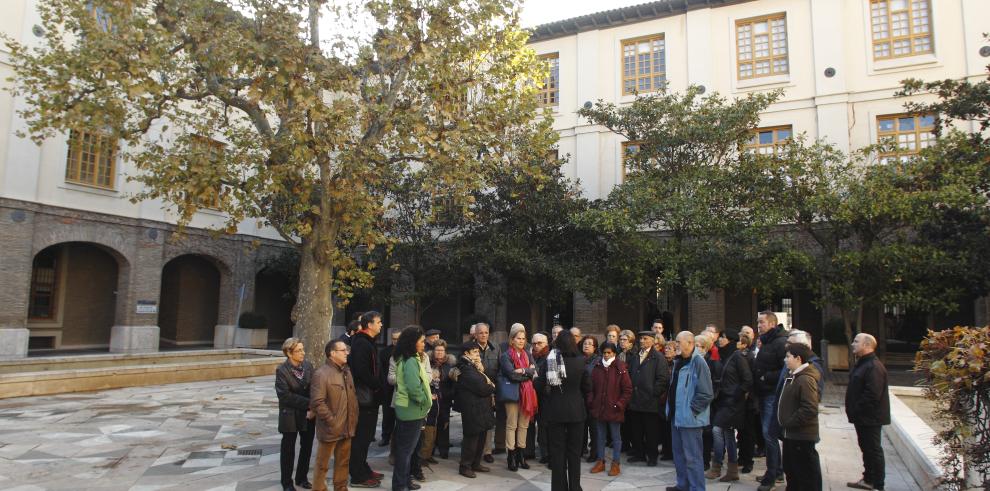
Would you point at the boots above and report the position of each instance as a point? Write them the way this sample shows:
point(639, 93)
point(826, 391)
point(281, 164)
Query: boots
point(731, 474)
point(714, 471)
point(511, 459)
point(429, 439)
point(599, 466)
point(614, 471)
point(521, 458)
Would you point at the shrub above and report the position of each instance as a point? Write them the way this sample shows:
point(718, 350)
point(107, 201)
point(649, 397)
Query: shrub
point(956, 364)
point(251, 320)
point(835, 331)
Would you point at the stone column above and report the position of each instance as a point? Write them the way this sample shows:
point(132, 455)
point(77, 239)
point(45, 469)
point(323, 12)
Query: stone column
point(16, 241)
point(138, 300)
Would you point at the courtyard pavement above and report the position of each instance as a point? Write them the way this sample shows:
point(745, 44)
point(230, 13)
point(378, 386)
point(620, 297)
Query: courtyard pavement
point(221, 435)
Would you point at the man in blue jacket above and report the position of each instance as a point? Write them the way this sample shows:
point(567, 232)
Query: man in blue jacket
point(688, 408)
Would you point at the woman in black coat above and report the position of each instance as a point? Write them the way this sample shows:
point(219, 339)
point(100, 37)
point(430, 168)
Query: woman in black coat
point(292, 380)
point(563, 384)
point(473, 397)
point(729, 407)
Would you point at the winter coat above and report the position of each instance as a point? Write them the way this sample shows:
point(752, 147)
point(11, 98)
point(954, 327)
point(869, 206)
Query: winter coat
point(611, 391)
point(489, 359)
point(412, 390)
point(508, 379)
point(694, 393)
point(769, 361)
point(867, 398)
point(565, 403)
point(293, 397)
point(736, 385)
point(649, 381)
point(473, 398)
point(364, 364)
point(797, 409)
point(333, 400)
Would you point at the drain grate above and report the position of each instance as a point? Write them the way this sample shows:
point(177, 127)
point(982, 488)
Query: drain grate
point(254, 451)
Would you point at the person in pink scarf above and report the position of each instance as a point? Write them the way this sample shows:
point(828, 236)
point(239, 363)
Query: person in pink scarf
point(515, 389)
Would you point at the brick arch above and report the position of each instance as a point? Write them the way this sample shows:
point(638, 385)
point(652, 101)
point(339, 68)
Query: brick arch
point(112, 241)
point(224, 265)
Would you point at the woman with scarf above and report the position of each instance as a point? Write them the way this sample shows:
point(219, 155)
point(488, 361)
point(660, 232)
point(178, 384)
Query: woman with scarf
point(589, 348)
point(473, 398)
point(563, 385)
point(611, 390)
point(412, 403)
point(729, 407)
point(292, 380)
point(515, 388)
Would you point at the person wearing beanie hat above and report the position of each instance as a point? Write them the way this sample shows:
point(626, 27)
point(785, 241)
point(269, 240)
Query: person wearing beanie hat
point(729, 406)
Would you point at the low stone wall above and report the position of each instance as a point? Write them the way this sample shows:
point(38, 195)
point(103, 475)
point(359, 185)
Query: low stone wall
point(911, 436)
point(48, 379)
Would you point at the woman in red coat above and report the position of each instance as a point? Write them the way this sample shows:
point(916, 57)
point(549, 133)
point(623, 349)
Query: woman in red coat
point(610, 394)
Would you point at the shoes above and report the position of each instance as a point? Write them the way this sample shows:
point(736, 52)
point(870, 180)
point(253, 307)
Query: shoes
point(305, 485)
point(766, 487)
point(521, 459)
point(731, 473)
point(651, 463)
point(498, 451)
point(370, 483)
point(467, 472)
point(673, 488)
point(414, 486)
point(591, 458)
point(488, 458)
point(480, 468)
point(714, 470)
point(746, 469)
point(288, 487)
point(599, 467)
point(780, 478)
point(383, 443)
point(419, 477)
point(378, 476)
point(544, 460)
point(614, 471)
point(860, 484)
point(635, 458)
point(511, 461)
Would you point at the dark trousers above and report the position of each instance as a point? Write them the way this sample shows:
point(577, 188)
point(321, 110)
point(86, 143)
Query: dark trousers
point(869, 438)
point(531, 437)
point(645, 429)
point(388, 421)
point(665, 439)
point(288, 454)
point(802, 466)
point(472, 448)
point(363, 435)
point(589, 436)
point(406, 442)
point(707, 443)
point(542, 438)
point(747, 437)
point(624, 430)
point(443, 427)
point(565, 455)
point(500, 426)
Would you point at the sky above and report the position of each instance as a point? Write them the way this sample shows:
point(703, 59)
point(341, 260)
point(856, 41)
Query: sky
point(536, 12)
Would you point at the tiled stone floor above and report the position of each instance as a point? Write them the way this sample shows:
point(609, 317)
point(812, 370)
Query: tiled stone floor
point(221, 435)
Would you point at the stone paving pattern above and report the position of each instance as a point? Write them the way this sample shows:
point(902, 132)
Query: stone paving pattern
point(221, 435)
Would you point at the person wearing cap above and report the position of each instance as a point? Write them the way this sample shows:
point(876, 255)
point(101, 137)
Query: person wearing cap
point(473, 398)
point(649, 374)
point(432, 336)
point(729, 407)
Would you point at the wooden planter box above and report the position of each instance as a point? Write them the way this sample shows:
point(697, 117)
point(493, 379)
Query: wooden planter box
point(838, 357)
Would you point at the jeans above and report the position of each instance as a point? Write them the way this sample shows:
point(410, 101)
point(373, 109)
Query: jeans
point(687, 458)
point(288, 454)
point(771, 444)
point(565, 455)
point(603, 428)
point(802, 466)
point(724, 440)
point(870, 442)
point(363, 434)
point(406, 438)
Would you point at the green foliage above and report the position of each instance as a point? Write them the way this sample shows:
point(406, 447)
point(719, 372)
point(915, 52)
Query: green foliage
point(834, 331)
point(251, 320)
point(956, 365)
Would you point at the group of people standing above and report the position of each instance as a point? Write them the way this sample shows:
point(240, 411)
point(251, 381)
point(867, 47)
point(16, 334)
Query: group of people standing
point(697, 399)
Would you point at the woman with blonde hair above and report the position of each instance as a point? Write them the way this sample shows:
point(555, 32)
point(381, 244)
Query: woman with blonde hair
point(515, 388)
point(292, 381)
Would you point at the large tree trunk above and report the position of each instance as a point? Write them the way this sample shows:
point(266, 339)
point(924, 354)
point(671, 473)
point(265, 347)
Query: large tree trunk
point(313, 311)
point(536, 310)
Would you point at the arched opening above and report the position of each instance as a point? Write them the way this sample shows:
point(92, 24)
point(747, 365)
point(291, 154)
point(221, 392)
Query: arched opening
point(73, 296)
point(274, 298)
point(190, 298)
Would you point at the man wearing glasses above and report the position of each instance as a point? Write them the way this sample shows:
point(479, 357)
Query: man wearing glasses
point(335, 404)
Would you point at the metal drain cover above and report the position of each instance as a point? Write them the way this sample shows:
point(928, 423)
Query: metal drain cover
point(254, 451)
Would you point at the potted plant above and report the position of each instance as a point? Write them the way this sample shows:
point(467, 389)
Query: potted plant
point(252, 331)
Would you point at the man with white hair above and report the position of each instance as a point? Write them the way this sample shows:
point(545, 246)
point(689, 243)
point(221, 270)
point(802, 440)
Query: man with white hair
point(795, 336)
point(688, 409)
point(540, 348)
point(868, 409)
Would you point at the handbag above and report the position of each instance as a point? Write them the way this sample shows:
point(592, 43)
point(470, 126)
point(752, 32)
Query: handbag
point(507, 390)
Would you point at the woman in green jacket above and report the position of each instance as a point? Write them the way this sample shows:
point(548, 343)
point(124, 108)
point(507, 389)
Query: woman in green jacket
point(412, 403)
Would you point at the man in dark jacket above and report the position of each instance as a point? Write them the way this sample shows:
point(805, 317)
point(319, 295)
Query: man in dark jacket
point(868, 409)
point(363, 361)
point(489, 359)
point(650, 377)
point(766, 370)
point(540, 349)
point(798, 419)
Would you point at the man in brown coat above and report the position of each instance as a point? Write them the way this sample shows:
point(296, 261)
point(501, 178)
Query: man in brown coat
point(333, 399)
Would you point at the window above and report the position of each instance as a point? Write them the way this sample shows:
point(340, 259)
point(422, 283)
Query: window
point(644, 64)
point(549, 94)
point(767, 140)
point(628, 150)
point(44, 280)
point(900, 28)
point(761, 46)
point(92, 158)
point(910, 133)
point(212, 151)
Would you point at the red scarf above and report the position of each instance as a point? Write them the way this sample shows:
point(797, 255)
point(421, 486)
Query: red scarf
point(527, 394)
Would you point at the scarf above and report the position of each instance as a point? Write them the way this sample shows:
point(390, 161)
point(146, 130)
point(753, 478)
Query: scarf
point(608, 362)
point(527, 395)
point(476, 363)
point(556, 370)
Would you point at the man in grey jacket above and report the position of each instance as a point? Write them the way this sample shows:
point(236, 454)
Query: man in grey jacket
point(489, 359)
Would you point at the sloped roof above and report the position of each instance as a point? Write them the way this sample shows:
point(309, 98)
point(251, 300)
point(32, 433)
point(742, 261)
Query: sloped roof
point(621, 16)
